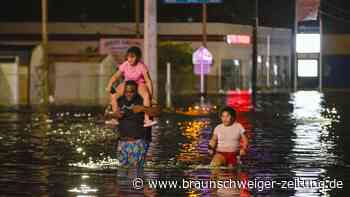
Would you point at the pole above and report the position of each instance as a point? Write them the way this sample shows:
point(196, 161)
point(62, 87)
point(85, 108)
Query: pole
point(168, 85)
point(150, 42)
point(268, 61)
point(202, 80)
point(45, 92)
point(204, 32)
point(29, 81)
point(204, 24)
point(295, 54)
point(255, 52)
point(202, 85)
point(137, 18)
point(321, 54)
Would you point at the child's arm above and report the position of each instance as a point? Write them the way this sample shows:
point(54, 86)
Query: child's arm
point(212, 144)
point(152, 111)
point(243, 150)
point(118, 115)
point(113, 79)
point(148, 81)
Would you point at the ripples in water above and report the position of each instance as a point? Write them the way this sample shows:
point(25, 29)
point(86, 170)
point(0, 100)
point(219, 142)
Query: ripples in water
point(68, 152)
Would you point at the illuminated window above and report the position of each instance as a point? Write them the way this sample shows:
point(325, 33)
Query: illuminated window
point(308, 43)
point(236, 62)
point(307, 68)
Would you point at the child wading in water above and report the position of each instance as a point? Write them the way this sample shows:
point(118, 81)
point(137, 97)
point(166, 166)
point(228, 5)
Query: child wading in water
point(133, 69)
point(225, 143)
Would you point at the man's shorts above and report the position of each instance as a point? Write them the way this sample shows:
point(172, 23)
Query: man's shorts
point(132, 153)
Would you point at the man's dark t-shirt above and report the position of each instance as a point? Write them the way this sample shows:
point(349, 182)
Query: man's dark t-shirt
point(131, 124)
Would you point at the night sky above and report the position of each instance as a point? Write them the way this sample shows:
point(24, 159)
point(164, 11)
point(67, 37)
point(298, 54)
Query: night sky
point(275, 13)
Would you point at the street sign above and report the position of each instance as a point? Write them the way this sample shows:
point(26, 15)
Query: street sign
point(197, 69)
point(202, 56)
point(191, 1)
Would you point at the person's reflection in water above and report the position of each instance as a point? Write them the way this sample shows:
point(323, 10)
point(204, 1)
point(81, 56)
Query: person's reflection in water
point(125, 183)
point(231, 179)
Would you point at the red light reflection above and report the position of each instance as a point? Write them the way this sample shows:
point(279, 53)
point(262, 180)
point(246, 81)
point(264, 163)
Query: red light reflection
point(240, 100)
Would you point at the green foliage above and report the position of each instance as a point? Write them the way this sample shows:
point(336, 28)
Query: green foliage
point(180, 57)
point(178, 54)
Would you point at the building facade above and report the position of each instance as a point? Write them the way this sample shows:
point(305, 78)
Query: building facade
point(75, 58)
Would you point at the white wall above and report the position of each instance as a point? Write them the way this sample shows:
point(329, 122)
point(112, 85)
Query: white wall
point(9, 84)
point(81, 83)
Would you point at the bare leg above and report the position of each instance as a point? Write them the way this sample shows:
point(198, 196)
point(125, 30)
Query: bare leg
point(114, 97)
point(218, 160)
point(144, 93)
point(114, 102)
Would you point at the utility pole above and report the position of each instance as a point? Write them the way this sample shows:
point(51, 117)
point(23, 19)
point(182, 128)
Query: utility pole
point(294, 52)
point(204, 24)
point(321, 53)
point(255, 53)
point(150, 41)
point(45, 69)
point(137, 18)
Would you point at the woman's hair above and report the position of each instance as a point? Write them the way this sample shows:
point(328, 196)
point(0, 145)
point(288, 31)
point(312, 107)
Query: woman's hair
point(229, 110)
point(136, 51)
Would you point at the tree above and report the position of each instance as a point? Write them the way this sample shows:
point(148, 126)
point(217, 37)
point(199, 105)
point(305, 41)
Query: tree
point(180, 57)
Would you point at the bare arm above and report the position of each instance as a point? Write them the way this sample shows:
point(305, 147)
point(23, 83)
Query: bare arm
point(212, 144)
point(113, 79)
point(243, 150)
point(152, 111)
point(118, 114)
point(213, 141)
point(148, 81)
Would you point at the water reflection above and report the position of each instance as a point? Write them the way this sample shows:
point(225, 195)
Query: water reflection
point(313, 143)
point(197, 133)
point(68, 152)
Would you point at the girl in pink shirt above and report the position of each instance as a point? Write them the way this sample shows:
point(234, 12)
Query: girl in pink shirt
point(133, 69)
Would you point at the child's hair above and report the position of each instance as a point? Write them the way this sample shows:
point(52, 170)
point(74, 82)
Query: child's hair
point(229, 110)
point(136, 51)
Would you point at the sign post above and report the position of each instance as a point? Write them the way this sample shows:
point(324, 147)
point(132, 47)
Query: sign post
point(202, 60)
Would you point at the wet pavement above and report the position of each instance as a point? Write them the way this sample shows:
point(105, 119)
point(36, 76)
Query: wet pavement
point(68, 152)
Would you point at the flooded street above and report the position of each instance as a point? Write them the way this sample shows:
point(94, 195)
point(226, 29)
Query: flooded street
point(68, 152)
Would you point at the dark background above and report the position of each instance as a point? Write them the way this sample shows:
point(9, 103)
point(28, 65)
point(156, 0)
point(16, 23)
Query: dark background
point(274, 13)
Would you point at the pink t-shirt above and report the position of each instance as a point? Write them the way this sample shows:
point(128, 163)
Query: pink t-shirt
point(228, 137)
point(134, 73)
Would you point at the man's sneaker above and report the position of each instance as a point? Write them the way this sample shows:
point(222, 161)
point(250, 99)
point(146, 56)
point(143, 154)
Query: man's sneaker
point(112, 122)
point(150, 123)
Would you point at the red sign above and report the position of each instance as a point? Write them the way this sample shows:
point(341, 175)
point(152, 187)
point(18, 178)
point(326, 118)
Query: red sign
point(238, 39)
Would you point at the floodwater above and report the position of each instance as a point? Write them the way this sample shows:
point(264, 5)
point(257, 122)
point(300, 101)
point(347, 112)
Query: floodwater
point(298, 140)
